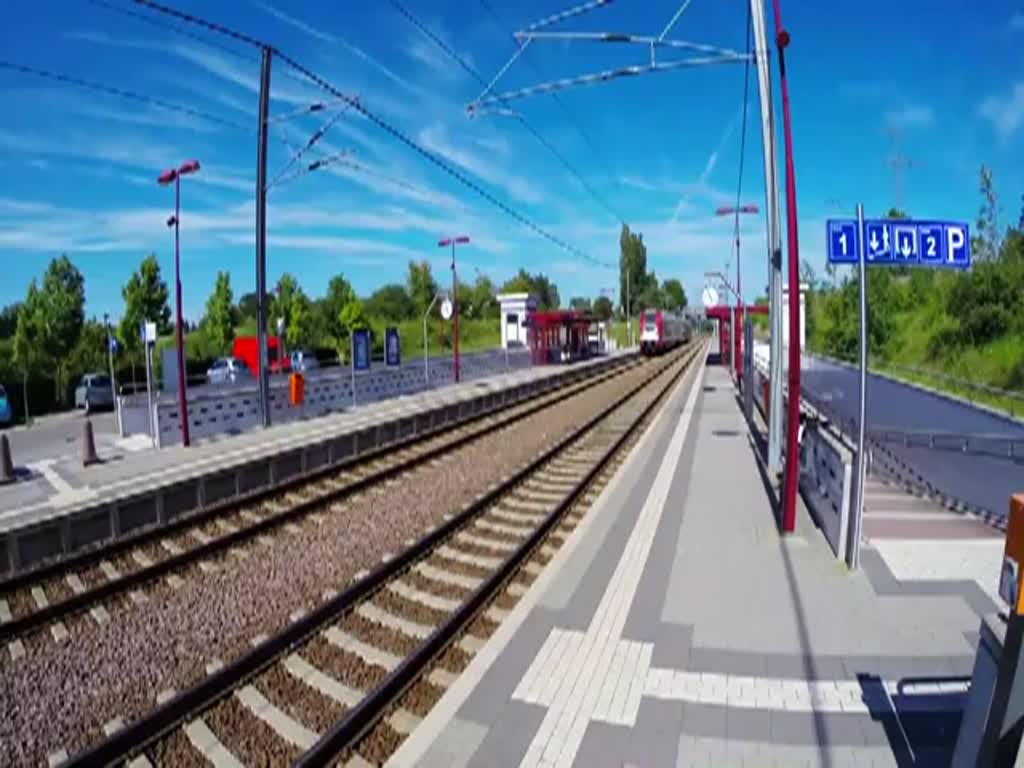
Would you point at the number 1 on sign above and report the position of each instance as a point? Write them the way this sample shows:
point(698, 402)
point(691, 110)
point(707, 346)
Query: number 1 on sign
point(842, 242)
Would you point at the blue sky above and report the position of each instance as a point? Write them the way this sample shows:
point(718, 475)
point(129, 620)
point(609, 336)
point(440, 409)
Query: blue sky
point(79, 168)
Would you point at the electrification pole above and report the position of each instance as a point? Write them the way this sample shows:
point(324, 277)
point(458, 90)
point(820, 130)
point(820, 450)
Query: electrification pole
point(774, 227)
point(261, 239)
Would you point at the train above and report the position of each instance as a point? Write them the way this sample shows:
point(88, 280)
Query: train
point(661, 330)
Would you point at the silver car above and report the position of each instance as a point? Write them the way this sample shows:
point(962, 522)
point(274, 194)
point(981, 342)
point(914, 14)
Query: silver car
point(228, 370)
point(303, 361)
point(94, 391)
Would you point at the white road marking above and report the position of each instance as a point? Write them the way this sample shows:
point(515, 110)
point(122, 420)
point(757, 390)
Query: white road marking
point(581, 676)
point(66, 493)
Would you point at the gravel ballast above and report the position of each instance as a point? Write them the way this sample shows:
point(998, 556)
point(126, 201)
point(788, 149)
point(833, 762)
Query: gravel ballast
point(58, 697)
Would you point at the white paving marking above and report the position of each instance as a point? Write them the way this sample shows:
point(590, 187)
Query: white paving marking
point(288, 729)
point(302, 670)
point(575, 673)
point(109, 571)
point(204, 740)
point(5, 612)
point(66, 494)
point(480, 561)
point(945, 560)
point(409, 592)
point(368, 653)
point(447, 577)
point(385, 618)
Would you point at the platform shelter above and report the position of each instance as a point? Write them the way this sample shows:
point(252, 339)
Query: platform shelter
point(559, 336)
point(724, 316)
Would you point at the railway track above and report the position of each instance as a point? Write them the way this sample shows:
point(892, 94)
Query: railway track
point(345, 682)
point(118, 574)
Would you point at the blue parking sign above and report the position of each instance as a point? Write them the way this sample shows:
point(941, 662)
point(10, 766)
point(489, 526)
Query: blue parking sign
point(904, 241)
point(843, 242)
point(361, 350)
point(392, 347)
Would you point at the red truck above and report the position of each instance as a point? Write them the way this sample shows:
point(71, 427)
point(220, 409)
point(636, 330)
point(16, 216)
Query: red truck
point(246, 349)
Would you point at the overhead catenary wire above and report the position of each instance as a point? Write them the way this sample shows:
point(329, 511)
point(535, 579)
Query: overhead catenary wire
point(317, 135)
point(120, 92)
point(412, 19)
point(569, 115)
point(743, 128)
point(383, 125)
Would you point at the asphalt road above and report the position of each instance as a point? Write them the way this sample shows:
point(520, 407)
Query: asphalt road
point(58, 435)
point(979, 480)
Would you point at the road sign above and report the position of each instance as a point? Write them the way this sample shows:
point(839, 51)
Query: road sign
point(843, 238)
point(901, 242)
point(361, 350)
point(709, 296)
point(148, 333)
point(877, 241)
point(447, 309)
point(392, 347)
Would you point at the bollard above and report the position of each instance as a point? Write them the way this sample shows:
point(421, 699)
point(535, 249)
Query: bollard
point(89, 456)
point(6, 464)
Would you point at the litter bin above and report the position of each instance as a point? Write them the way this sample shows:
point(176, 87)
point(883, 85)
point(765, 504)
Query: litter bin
point(297, 389)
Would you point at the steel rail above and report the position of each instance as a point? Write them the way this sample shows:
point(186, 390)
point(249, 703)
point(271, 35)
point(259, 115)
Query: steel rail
point(138, 735)
point(364, 715)
point(78, 602)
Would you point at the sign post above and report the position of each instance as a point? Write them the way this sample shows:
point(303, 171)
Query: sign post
point(148, 339)
point(894, 242)
point(360, 356)
point(392, 348)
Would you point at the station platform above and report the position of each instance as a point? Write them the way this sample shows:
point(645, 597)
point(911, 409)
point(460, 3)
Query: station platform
point(677, 627)
point(53, 491)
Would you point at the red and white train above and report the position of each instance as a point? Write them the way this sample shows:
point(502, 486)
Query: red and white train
point(661, 330)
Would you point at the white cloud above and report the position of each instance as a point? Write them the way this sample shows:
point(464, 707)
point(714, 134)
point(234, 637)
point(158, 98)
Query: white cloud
point(294, 22)
point(637, 183)
point(435, 139)
point(911, 115)
point(702, 187)
point(1006, 113)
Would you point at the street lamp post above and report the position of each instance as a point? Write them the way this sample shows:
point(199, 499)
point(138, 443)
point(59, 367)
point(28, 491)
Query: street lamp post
point(735, 212)
point(175, 174)
point(444, 243)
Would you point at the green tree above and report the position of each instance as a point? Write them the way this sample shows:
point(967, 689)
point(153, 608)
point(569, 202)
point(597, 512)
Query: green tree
point(28, 342)
point(421, 285)
point(484, 302)
point(90, 353)
point(390, 302)
point(300, 328)
point(579, 304)
point(145, 300)
point(218, 323)
point(351, 318)
point(62, 303)
point(538, 286)
point(339, 294)
point(281, 305)
point(603, 308)
point(674, 294)
point(9, 320)
point(632, 263)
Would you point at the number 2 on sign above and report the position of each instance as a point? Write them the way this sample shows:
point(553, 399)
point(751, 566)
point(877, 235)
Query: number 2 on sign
point(931, 246)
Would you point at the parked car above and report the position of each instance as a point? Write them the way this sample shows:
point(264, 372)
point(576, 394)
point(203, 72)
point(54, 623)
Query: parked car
point(6, 415)
point(228, 370)
point(94, 391)
point(303, 360)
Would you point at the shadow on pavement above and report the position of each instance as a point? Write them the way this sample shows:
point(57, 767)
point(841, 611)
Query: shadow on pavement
point(922, 727)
